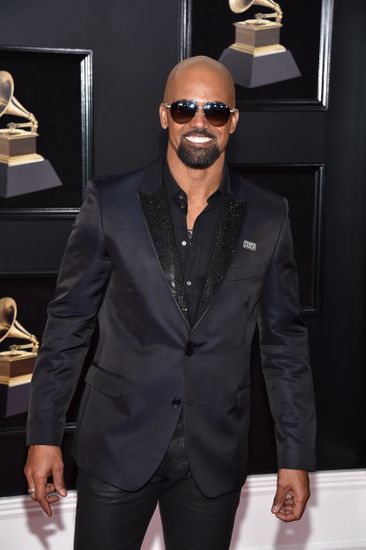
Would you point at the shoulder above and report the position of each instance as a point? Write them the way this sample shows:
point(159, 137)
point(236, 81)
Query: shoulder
point(122, 183)
point(257, 197)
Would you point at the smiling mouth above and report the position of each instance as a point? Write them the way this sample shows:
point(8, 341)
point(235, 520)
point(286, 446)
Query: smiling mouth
point(198, 139)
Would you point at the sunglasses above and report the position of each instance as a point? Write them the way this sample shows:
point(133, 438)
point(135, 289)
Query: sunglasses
point(183, 111)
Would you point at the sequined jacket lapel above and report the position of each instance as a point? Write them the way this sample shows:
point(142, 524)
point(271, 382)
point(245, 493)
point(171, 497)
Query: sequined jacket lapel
point(231, 224)
point(156, 211)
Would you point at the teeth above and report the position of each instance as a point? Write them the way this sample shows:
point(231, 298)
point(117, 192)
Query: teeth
point(198, 139)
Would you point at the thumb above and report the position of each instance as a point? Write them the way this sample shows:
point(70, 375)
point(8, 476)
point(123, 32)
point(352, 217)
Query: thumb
point(58, 481)
point(279, 499)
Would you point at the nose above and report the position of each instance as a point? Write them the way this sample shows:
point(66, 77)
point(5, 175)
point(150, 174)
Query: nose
point(199, 120)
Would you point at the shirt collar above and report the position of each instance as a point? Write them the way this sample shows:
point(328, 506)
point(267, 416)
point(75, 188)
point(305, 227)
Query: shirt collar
point(176, 194)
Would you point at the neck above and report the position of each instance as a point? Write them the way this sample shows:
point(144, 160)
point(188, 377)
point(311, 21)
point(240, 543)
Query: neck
point(198, 184)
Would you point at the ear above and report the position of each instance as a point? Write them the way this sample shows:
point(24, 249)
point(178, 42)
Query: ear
point(163, 116)
point(234, 121)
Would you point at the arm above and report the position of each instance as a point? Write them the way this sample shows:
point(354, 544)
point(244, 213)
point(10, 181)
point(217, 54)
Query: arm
point(81, 285)
point(285, 363)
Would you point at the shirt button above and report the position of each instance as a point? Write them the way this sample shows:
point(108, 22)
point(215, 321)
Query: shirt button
point(176, 403)
point(184, 243)
point(188, 283)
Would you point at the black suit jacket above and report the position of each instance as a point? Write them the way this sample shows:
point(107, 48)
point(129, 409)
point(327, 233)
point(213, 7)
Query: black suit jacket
point(121, 267)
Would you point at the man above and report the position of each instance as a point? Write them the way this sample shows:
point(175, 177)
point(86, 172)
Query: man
point(178, 262)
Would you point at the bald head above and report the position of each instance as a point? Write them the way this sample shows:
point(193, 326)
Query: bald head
point(198, 140)
point(200, 70)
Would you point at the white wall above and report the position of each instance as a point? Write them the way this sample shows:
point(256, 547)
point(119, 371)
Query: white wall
point(335, 519)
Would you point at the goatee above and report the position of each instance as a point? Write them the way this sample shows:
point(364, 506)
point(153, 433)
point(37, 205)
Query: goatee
point(196, 156)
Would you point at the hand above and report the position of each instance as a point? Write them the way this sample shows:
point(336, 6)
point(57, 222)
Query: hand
point(292, 494)
point(44, 461)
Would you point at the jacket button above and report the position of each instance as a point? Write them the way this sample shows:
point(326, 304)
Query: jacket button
point(189, 350)
point(176, 403)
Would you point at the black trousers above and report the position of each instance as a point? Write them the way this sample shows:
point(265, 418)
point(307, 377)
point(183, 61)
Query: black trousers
point(109, 518)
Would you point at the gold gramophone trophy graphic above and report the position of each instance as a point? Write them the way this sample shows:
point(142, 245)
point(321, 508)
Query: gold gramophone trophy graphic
point(16, 363)
point(257, 58)
point(22, 170)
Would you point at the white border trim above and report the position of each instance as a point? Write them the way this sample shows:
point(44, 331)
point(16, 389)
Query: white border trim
point(334, 520)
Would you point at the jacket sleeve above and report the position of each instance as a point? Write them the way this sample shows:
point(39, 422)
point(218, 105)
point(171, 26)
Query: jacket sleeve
point(285, 359)
point(71, 321)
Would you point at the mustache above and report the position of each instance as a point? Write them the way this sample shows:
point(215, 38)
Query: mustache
point(199, 132)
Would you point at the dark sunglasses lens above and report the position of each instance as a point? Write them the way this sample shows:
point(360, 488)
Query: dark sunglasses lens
point(182, 111)
point(217, 113)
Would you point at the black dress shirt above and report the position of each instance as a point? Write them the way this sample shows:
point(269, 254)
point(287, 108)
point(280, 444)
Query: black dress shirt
point(196, 247)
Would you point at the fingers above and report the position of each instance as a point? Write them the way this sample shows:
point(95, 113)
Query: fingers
point(292, 510)
point(279, 499)
point(58, 479)
point(45, 461)
point(50, 493)
point(292, 495)
point(286, 512)
point(38, 489)
point(44, 493)
point(40, 483)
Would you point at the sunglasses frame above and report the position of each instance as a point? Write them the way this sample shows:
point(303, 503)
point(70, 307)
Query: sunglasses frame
point(201, 107)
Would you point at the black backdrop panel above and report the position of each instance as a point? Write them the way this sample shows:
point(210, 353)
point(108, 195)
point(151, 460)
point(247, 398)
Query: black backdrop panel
point(207, 29)
point(302, 186)
point(33, 246)
point(55, 85)
point(32, 295)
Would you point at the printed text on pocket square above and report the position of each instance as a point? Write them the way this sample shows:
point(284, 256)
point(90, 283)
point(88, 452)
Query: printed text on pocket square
point(249, 245)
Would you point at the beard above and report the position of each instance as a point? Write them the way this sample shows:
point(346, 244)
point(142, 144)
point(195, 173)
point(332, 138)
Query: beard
point(195, 156)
